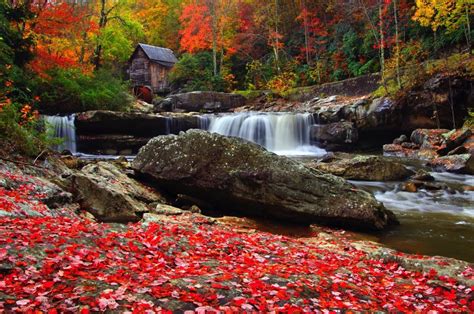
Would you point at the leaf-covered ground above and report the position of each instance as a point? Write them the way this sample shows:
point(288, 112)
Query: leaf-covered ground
point(64, 262)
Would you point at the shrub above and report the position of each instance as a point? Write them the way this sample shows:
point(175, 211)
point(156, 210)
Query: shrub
point(258, 74)
point(20, 129)
point(194, 72)
point(70, 90)
point(283, 82)
point(469, 123)
point(250, 94)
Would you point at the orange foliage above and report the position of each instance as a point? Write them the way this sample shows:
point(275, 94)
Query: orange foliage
point(196, 32)
point(62, 31)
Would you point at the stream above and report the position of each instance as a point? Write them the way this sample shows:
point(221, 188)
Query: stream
point(431, 222)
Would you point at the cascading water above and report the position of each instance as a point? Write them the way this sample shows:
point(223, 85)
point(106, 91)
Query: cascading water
point(281, 133)
point(63, 128)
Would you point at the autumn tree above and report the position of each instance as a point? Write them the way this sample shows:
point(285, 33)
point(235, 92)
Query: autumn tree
point(313, 28)
point(117, 31)
point(450, 14)
point(62, 31)
point(160, 20)
point(268, 17)
point(208, 24)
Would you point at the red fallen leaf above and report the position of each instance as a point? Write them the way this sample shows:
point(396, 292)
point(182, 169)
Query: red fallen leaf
point(239, 301)
point(3, 253)
point(219, 286)
point(432, 273)
point(84, 310)
point(48, 284)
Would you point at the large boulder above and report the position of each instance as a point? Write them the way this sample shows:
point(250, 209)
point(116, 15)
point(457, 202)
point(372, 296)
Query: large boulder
point(200, 101)
point(433, 104)
point(110, 195)
point(463, 163)
point(232, 174)
point(365, 168)
point(428, 138)
point(454, 139)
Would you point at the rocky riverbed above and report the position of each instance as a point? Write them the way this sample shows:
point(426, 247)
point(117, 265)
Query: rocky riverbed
point(199, 221)
point(55, 254)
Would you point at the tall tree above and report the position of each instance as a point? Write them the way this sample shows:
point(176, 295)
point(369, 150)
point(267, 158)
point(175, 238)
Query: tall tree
point(117, 31)
point(59, 29)
point(209, 24)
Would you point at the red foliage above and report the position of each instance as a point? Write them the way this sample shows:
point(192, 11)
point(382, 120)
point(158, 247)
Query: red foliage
point(316, 31)
point(61, 264)
point(196, 32)
point(60, 28)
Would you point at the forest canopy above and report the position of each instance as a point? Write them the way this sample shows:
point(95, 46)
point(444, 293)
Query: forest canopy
point(55, 51)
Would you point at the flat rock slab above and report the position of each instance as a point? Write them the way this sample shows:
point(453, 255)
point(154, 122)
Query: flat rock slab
point(365, 168)
point(235, 175)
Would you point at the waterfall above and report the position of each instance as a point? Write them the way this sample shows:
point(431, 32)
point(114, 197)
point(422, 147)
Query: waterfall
point(282, 133)
point(63, 128)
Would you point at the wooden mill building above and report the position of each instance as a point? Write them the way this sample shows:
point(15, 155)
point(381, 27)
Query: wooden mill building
point(149, 67)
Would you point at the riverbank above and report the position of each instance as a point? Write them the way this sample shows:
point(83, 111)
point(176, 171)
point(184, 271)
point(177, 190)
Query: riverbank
point(54, 254)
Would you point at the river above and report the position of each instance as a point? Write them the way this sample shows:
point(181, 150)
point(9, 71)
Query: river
point(431, 222)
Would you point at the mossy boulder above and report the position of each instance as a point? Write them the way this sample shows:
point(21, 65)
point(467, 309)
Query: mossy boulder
point(235, 175)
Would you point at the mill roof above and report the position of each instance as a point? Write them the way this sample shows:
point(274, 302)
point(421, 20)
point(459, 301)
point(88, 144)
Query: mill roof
point(163, 56)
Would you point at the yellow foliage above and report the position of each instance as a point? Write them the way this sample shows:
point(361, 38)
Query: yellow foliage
point(282, 82)
point(446, 13)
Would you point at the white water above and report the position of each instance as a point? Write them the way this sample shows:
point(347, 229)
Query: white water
point(456, 202)
point(281, 133)
point(62, 127)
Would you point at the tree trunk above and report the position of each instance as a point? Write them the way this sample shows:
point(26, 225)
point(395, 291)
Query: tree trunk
point(102, 23)
point(276, 46)
point(382, 44)
point(212, 9)
point(397, 44)
point(306, 33)
point(468, 28)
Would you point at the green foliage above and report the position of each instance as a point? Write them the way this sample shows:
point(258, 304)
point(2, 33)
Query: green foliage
point(415, 73)
point(15, 44)
point(249, 94)
point(20, 134)
point(194, 72)
point(15, 51)
point(469, 123)
point(258, 74)
point(70, 90)
point(338, 75)
point(118, 40)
